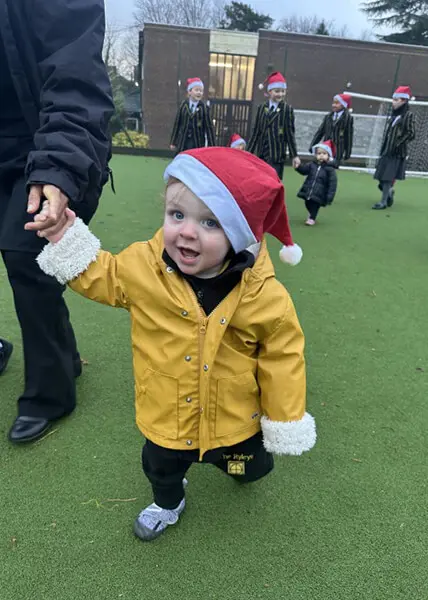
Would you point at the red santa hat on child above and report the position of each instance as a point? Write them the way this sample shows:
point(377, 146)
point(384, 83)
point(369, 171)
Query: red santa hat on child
point(236, 140)
point(328, 146)
point(344, 99)
point(193, 82)
point(242, 191)
point(274, 80)
point(403, 91)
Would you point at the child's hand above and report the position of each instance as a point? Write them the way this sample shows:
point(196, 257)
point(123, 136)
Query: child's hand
point(172, 147)
point(66, 221)
point(296, 162)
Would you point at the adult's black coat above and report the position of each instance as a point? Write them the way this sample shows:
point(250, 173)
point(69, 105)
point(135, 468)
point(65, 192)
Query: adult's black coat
point(53, 50)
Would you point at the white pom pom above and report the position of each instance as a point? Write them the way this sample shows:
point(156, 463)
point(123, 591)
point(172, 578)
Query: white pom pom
point(350, 110)
point(261, 86)
point(291, 255)
point(412, 98)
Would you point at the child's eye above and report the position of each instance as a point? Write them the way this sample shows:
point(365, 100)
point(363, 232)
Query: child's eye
point(177, 215)
point(210, 223)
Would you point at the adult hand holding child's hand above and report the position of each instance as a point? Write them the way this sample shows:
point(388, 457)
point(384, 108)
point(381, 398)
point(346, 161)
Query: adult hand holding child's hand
point(66, 220)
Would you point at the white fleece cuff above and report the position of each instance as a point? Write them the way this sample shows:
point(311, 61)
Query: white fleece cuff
point(293, 437)
point(72, 255)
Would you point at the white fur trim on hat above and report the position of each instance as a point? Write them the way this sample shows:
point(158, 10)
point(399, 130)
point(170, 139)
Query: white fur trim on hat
point(215, 195)
point(238, 143)
point(194, 84)
point(400, 95)
point(341, 100)
point(292, 437)
point(72, 255)
point(277, 85)
point(291, 255)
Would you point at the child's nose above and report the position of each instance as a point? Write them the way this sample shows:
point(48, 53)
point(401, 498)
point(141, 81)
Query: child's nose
point(188, 229)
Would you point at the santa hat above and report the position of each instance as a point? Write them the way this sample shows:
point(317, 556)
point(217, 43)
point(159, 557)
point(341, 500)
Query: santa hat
point(274, 80)
point(193, 82)
point(328, 146)
point(344, 99)
point(236, 140)
point(403, 91)
point(242, 191)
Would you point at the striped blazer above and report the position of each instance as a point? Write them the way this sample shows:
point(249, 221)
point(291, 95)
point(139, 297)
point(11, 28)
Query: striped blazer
point(340, 131)
point(273, 132)
point(399, 131)
point(197, 123)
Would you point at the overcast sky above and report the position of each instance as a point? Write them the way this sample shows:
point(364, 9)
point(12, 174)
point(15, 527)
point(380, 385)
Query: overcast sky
point(344, 12)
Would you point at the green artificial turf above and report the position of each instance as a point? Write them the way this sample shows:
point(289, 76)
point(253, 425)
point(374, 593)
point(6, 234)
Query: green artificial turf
point(345, 521)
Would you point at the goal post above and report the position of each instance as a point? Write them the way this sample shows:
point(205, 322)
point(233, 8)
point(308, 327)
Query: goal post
point(417, 162)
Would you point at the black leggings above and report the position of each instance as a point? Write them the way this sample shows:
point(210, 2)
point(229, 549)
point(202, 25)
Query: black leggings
point(312, 208)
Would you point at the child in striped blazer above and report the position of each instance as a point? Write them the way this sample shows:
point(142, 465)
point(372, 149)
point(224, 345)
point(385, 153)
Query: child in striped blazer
point(274, 127)
point(193, 127)
point(399, 131)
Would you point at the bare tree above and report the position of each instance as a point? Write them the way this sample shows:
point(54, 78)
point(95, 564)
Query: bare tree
point(193, 13)
point(312, 25)
point(111, 44)
point(296, 24)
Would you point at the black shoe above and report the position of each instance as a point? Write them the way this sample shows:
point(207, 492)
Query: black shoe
point(390, 200)
point(27, 429)
point(5, 353)
point(379, 206)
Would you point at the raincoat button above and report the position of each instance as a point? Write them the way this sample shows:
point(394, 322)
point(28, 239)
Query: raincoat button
point(169, 270)
point(187, 358)
point(222, 321)
point(188, 399)
point(189, 442)
point(206, 367)
point(184, 313)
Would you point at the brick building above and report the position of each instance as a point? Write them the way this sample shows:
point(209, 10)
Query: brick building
point(232, 64)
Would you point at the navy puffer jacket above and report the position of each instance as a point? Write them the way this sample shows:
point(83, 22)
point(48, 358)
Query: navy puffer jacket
point(320, 184)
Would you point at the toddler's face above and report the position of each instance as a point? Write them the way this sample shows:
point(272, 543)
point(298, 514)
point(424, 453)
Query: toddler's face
point(196, 93)
point(336, 106)
point(322, 155)
point(193, 236)
point(240, 147)
point(277, 94)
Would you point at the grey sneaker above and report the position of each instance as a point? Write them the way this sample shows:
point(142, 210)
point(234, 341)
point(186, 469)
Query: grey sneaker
point(153, 520)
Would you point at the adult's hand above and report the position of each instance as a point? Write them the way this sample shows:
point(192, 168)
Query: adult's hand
point(51, 220)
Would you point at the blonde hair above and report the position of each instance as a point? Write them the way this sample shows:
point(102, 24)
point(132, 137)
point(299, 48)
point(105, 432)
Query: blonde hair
point(176, 197)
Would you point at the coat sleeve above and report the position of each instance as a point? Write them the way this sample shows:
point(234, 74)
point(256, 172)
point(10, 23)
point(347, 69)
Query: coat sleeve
point(349, 137)
point(209, 129)
point(408, 131)
point(319, 134)
point(304, 168)
point(252, 144)
point(331, 185)
point(176, 128)
point(72, 144)
point(286, 427)
point(291, 134)
point(77, 259)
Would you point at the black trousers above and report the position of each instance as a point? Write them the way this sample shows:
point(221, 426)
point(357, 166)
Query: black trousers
point(312, 208)
point(165, 468)
point(278, 166)
point(51, 360)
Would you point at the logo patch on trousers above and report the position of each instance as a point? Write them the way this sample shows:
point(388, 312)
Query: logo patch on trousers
point(236, 467)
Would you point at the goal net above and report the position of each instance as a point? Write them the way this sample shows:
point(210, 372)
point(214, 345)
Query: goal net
point(368, 133)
